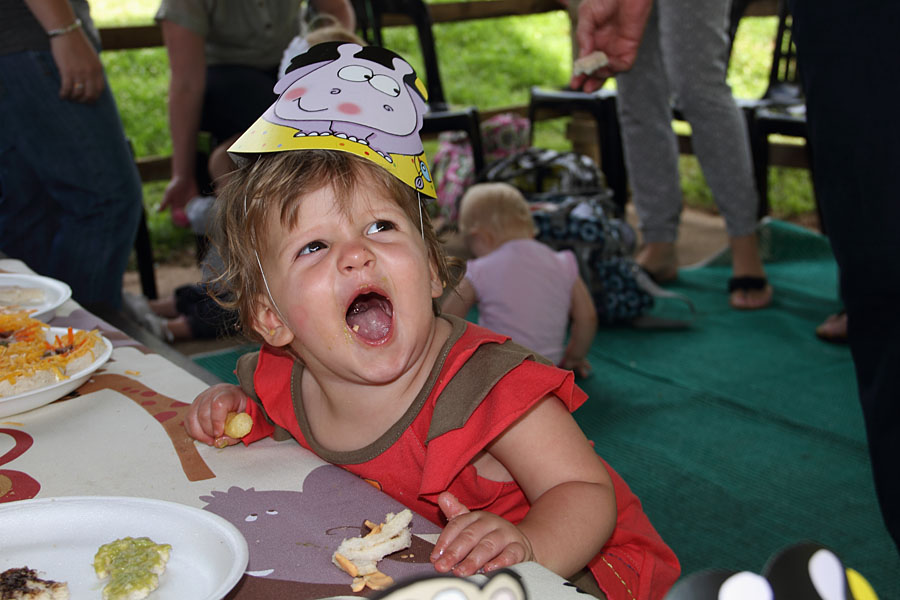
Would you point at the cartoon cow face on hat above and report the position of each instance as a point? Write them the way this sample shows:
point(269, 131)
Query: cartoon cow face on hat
point(365, 94)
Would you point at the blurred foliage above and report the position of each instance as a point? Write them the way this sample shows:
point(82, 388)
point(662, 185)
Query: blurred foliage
point(489, 63)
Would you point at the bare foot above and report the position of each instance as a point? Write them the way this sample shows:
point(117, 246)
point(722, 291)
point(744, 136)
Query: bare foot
point(660, 261)
point(180, 328)
point(834, 328)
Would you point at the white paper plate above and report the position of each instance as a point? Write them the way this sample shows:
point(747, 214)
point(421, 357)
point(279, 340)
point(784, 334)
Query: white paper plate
point(11, 405)
point(58, 537)
point(55, 293)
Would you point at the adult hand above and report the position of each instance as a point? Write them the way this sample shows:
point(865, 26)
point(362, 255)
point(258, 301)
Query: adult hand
point(80, 69)
point(613, 27)
point(178, 193)
point(474, 541)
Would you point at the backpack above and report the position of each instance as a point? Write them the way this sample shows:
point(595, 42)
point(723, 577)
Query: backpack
point(539, 170)
point(453, 166)
point(603, 245)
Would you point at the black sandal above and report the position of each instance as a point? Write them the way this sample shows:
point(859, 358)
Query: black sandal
point(748, 283)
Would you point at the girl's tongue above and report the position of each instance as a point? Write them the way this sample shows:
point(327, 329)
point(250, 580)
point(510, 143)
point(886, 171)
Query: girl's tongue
point(370, 316)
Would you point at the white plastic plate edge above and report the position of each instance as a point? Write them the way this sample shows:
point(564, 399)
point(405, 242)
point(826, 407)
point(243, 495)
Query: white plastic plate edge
point(55, 291)
point(190, 530)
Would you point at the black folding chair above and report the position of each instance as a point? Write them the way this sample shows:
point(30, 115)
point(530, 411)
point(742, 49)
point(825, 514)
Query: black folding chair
point(370, 16)
point(781, 109)
point(143, 250)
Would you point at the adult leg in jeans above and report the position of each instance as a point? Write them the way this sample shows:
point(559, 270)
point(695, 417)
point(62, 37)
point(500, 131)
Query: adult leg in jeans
point(70, 196)
point(848, 68)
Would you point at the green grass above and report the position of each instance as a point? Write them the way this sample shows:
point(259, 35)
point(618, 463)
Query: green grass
point(489, 63)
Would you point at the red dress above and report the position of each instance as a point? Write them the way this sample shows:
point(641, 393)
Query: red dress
point(462, 408)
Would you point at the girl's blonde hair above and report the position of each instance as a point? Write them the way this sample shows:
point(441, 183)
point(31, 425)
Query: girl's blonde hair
point(329, 30)
point(274, 184)
point(497, 206)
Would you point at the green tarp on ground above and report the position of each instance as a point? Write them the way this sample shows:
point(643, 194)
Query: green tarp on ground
point(741, 434)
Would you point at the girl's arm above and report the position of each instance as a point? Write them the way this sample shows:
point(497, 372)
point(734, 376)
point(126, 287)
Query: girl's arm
point(573, 505)
point(583, 315)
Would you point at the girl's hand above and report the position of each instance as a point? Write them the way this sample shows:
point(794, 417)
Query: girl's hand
point(581, 367)
point(205, 420)
point(474, 541)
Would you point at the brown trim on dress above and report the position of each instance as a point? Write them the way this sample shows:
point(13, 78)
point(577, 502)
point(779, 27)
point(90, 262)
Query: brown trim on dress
point(463, 394)
point(367, 453)
point(473, 382)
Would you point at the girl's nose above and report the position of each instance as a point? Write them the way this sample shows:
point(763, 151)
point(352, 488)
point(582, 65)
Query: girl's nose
point(355, 255)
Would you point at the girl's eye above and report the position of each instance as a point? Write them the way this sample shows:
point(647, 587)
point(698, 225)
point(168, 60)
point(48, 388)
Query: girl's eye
point(378, 226)
point(312, 247)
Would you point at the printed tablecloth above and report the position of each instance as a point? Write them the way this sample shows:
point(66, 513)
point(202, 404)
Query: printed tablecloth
point(121, 434)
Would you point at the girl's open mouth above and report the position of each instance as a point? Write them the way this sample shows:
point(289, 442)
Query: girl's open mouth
point(370, 316)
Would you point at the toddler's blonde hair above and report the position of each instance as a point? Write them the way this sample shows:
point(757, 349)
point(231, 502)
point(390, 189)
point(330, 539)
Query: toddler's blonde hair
point(326, 28)
point(497, 206)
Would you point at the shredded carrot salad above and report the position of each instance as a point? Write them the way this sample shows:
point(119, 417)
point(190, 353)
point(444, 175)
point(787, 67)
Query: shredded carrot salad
point(25, 351)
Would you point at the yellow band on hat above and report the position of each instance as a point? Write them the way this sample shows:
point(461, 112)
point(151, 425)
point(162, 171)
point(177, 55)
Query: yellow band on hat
point(264, 136)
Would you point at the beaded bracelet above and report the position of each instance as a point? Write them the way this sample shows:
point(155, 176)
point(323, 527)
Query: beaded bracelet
point(64, 30)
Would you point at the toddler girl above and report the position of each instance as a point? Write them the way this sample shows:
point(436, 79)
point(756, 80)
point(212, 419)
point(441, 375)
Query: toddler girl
point(335, 267)
point(523, 288)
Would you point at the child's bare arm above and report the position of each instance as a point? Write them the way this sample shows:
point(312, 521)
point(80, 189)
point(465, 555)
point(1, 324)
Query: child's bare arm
point(583, 314)
point(573, 506)
point(205, 420)
point(459, 301)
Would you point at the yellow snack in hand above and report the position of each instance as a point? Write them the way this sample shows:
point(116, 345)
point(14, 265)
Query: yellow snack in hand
point(237, 425)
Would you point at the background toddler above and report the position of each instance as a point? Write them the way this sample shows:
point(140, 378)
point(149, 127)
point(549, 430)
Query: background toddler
point(522, 287)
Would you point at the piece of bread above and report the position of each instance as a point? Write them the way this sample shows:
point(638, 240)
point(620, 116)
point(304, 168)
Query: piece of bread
point(359, 556)
point(589, 63)
point(24, 584)
point(15, 295)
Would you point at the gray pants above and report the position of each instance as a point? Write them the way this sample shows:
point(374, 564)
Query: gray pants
point(683, 58)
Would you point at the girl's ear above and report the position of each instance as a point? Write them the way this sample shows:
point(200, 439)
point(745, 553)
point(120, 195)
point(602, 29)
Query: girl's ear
point(268, 324)
point(437, 285)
